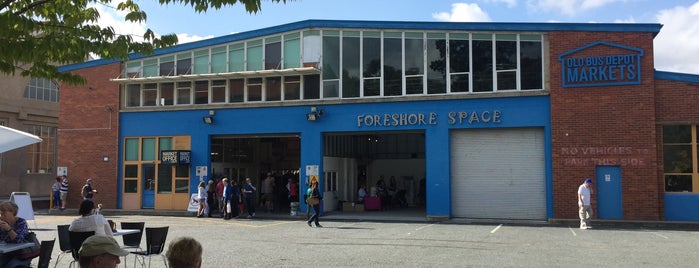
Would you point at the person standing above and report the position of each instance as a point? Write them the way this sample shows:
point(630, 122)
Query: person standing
point(201, 194)
point(249, 192)
point(314, 198)
point(584, 205)
point(64, 191)
point(56, 192)
point(219, 192)
point(210, 197)
point(268, 192)
point(88, 192)
point(226, 199)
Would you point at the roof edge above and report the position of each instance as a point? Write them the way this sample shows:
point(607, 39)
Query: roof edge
point(674, 76)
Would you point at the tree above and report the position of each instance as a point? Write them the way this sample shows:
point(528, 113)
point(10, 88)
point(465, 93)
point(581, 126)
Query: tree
point(37, 36)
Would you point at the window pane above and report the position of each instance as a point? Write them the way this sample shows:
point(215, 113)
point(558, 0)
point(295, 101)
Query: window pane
point(133, 95)
point(678, 183)
point(414, 61)
point(165, 144)
point(201, 61)
point(274, 89)
point(150, 94)
point(164, 179)
point(201, 92)
point(393, 67)
point(182, 172)
point(254, 56)
point(311, 87)
point(436, 66)
point(184, 66)
point(677, 158)
point(506, 55)
point(371, 57)
point(183, 92)
point(218, 60)
point(459, 82)
point(331, 57)
point(372, 87)
point(458, 56)
point(507, 80)
point(131, 150)
point(181, 186)
point(311, 48)
point(130, 171)
point(167, 66)
point(292, 88)
point(414, 85)
point(273, 55)
point(482, 66)
point(254, 89)
point(237, 90)
point(531, 64)
point(331, 89)
point(350, 67)
point(218, 91)
point(148, 149)
point(167, 94)
point(130, 186)
point(150, 68)
point(677, 134)
point(292, 51)
point(236, 58)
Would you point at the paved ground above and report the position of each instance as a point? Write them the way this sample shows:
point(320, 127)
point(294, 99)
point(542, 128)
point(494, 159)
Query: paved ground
point(289, 242)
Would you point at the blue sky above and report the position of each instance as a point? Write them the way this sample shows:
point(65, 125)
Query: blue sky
point(676, 47)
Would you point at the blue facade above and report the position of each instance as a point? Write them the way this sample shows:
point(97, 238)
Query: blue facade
point(512, 112)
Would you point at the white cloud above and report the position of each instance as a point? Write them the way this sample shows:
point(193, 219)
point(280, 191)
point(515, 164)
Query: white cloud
point(677, 45)
point(510, 3)
point(568, 7)
point(463, 12)
point(186, 38)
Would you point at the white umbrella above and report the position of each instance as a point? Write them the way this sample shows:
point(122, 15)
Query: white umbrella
point(11, 138)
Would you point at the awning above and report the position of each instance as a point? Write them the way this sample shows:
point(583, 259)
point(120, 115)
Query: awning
point(12, 139)
point(231, 75)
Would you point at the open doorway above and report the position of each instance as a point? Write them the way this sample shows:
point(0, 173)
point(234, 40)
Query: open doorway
point(238, 157)
point(390, 165)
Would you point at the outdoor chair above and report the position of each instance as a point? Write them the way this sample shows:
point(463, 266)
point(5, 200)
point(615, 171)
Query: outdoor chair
point(132, 241)
point(155, 244)
point(63, 242)
point(76, 241)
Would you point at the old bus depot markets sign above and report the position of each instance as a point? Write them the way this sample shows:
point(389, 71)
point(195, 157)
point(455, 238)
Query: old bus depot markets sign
point(623, 67)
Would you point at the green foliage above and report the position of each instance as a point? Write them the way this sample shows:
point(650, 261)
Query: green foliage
point(37, 36)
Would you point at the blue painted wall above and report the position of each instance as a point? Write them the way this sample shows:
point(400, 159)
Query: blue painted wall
point(681, 207)
point(515, 112)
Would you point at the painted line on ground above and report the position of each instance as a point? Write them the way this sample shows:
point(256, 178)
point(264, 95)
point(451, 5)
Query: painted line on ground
point(657, 234)
point(496, 229)
point(571, 230)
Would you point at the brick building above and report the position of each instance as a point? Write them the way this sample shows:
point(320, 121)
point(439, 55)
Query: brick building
point(474, 120)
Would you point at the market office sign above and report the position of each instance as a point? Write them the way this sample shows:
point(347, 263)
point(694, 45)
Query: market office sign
point(592, 65)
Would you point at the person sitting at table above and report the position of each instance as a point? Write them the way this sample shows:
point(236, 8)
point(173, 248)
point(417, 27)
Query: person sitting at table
point(13, 229)
point(361, 194)
point(100, 251)
point(89, 221)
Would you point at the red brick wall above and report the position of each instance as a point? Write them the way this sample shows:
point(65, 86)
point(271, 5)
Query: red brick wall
point(604, 125)
point(88, 132)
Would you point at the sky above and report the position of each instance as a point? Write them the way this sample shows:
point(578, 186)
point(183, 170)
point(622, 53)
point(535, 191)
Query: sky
point(676, 48)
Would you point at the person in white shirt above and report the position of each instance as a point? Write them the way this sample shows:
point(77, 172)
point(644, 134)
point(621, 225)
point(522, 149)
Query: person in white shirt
point(361, 193)
point(584, 206)
point(89, 221)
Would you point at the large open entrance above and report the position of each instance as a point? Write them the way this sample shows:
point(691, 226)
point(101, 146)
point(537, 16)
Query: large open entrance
point(242, 156)
point(391, 166)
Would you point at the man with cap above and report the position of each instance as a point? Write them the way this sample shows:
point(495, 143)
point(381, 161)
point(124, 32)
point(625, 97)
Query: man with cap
point(87, 191)
point(584, 207)
point(100, 251)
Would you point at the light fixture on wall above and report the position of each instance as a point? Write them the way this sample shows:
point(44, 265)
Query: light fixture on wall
point(314, 114)
point(209, 119)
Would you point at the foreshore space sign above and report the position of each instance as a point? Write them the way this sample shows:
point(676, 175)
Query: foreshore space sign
point(581, 69)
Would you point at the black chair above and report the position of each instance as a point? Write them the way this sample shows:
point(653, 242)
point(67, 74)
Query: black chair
point(63, 242)
point(45, 255)
point(76, 241)
point(155, 244)
point(132, 240)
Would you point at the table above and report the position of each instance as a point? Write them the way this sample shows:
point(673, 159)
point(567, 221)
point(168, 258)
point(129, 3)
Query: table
point(125, 232)
point(9, 247)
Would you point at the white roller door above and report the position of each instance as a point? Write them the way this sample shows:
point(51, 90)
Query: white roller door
point(498, 173)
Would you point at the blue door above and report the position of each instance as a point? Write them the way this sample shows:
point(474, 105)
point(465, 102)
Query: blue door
point(608, 182)
point(148, 186)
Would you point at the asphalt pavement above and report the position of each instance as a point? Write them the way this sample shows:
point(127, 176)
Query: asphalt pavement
point(279, 240)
